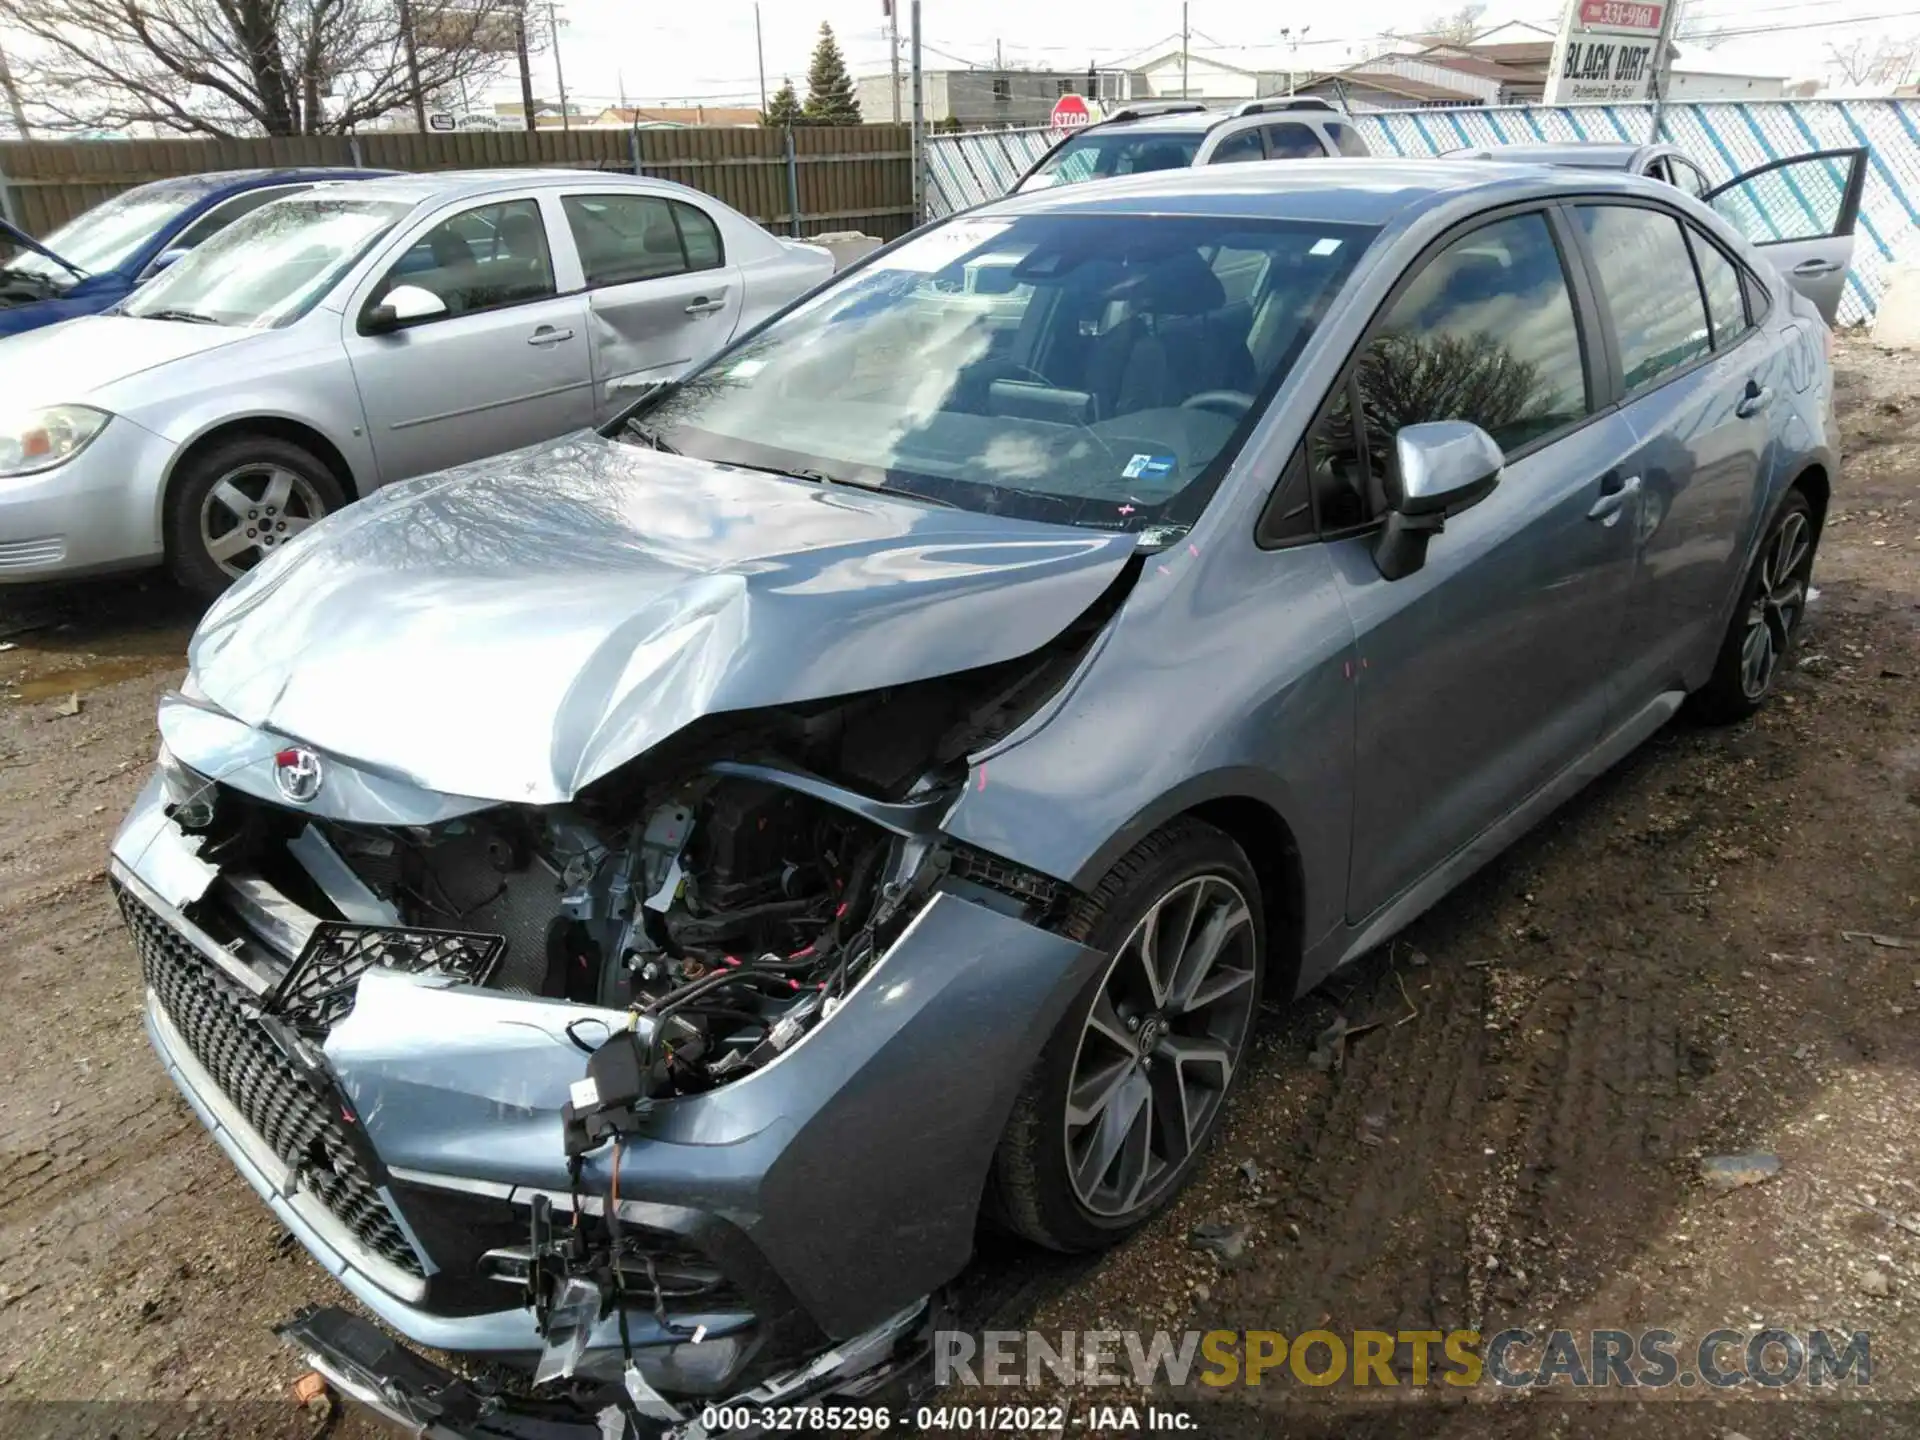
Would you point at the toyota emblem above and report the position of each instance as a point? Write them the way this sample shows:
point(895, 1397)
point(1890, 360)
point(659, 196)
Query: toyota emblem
point(296, 771)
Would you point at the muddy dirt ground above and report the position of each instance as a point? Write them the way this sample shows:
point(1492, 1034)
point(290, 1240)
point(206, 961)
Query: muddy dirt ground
point(1661, 973)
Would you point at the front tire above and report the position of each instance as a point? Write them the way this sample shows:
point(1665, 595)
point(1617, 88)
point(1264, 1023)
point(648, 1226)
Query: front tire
point(232, 505)
point(1115, 1115)
point(1761, 634)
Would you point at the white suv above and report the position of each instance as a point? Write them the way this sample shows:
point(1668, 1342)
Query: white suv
point(1173, 134)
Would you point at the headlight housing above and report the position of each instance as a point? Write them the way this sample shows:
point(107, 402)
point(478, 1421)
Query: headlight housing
point(36, 440)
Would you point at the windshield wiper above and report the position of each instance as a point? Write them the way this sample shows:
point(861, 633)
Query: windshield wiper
point(43, 283)
point(189, 317)
point(652, 437)
point(901, 490)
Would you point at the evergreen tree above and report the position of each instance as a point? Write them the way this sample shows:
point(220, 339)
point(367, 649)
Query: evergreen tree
point(784, 109)
point(830, 98)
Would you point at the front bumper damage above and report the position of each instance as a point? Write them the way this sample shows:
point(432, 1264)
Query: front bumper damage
point(830, 1192)
point(368, 1367)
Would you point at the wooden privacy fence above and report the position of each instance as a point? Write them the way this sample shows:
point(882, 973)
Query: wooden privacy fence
point(845, 177)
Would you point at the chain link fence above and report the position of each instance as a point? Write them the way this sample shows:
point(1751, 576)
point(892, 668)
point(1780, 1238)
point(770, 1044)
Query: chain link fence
point(1724, 138)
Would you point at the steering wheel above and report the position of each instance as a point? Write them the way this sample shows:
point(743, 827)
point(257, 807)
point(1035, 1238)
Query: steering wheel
point(1231, 403)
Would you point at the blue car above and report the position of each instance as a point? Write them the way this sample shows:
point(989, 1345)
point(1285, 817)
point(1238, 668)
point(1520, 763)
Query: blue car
point(90, 264)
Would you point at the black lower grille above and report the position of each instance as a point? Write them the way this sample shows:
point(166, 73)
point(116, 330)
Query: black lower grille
point(297, 1123)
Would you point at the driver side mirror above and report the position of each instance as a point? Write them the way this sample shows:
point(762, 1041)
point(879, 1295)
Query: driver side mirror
point(404, 305)
point(1444, 467)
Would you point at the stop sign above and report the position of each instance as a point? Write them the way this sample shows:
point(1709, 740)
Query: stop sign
point(1070, 112)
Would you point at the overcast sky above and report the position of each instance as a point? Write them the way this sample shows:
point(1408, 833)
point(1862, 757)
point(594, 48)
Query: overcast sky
point(704, 50)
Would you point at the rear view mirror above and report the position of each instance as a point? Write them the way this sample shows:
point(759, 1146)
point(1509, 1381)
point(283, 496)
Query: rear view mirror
point(405, 305)
point(1443, 467)
point(165, 259)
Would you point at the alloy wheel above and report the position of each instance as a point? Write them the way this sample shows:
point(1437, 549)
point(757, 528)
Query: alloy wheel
point(1160, 1045)
point(252, 510)
point(1777, 603)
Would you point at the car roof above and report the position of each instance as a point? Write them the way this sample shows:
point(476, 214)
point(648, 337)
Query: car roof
point(1201, 121)
point(223, 182)
point(415, 189)
point(1335, 190)
point(1588, 155)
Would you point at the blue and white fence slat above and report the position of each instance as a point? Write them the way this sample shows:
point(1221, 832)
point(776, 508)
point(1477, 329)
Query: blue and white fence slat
point(1723, 137)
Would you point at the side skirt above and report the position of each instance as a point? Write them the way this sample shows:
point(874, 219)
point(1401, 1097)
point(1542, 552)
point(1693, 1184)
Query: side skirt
point(1351, 942)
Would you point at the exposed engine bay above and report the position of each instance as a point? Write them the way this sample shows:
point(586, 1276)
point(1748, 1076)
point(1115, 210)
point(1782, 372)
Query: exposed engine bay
point(731, 887)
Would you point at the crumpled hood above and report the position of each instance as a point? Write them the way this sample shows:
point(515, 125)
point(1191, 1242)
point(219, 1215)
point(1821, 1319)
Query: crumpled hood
point(74, 362)
point(514, 629)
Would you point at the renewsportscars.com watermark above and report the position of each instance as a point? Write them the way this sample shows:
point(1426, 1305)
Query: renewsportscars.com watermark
point(1508, 1359)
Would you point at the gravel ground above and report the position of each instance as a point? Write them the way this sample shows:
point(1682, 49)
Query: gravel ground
point(1661, 973)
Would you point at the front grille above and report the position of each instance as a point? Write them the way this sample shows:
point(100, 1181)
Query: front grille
point(298, 1125)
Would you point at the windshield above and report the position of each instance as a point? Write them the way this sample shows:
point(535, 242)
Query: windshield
point(1106, 153)
point(1096, 370)
point(107, 236)
point(267, 268)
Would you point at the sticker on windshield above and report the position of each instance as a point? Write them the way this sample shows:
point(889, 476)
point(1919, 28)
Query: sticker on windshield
point(1325, 246)
point(747, 369)
point(1148, 467)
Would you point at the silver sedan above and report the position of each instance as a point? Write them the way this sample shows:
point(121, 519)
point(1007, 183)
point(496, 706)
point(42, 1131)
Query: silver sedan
point(355, 335)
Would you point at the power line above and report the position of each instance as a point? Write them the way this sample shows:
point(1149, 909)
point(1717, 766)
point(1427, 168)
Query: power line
point(1805, 25)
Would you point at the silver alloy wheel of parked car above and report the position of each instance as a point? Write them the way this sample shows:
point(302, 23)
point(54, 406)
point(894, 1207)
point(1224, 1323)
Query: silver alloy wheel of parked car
point(1777, 603)
point(1160, 1045)
point(253, 508)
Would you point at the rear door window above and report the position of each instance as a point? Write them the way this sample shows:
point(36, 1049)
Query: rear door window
point(624, 238)
point(1648, 285)
point(1236, 148)
point(1290, 140)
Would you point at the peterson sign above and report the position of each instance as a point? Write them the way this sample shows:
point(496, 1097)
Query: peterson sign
point(1607, 51)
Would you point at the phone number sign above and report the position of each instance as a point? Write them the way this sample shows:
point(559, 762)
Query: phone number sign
point(1606, 52)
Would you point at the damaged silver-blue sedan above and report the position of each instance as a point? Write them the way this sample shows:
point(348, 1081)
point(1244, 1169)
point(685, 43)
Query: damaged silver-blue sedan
point(633, 906)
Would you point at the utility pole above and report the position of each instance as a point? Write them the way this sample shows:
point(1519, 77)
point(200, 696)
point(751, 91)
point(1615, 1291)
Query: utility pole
point(559, 75)
point(919, 129)
point(760, 50)
point(893, 52)
point(1184, 34)
point(1662, 65)
point(526, 66)
point(413, 65)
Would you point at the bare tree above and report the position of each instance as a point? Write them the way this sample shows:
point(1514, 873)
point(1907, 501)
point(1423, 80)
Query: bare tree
point(1457, 27)
point(236, 67)
point(1883, 60)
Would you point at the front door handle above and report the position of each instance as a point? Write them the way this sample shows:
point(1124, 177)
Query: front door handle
point(1755, 398)
point(547, 335)
point(704, 306)
point(1614, 494)
point(1815, 267)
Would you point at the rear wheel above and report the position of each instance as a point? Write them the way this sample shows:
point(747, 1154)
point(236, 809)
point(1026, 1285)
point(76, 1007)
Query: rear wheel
point(238, 502)
point(1115, 1115)
point(1764, 625)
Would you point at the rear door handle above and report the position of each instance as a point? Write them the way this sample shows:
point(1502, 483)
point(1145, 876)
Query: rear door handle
point(1815, 266)
point(1754, 399)
point(1614, 494)
point(704, 306)
point(547, 335)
